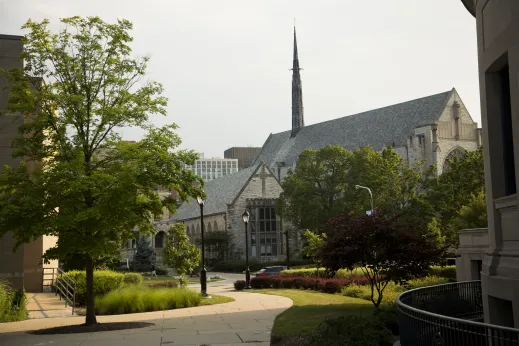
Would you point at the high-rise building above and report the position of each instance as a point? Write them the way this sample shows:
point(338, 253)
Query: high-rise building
point(245, 155)
point(213, 168)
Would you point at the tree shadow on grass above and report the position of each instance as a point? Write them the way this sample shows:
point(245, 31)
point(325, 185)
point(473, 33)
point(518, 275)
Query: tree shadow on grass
point(300, 320)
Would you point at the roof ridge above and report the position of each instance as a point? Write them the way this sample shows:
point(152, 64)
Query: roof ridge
point(376, 109)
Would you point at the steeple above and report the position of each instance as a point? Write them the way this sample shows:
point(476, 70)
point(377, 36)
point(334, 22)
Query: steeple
point(298, 120)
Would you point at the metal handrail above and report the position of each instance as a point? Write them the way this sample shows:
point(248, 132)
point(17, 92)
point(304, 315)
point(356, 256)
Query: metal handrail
point(421, 327)
point(52, 279)
point(66, 288)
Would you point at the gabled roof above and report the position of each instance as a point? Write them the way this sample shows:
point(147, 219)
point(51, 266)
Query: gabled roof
point(377, 128)
point(219, 193)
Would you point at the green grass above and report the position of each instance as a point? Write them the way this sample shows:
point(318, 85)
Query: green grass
point(142, 299)
point(311, 308)
point(217, 300)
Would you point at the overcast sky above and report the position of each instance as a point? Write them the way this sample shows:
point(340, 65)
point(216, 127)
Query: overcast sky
point(225, 64)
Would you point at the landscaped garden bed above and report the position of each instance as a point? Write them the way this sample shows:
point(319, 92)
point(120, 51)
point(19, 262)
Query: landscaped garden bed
point(12, 303)
point(122, 293)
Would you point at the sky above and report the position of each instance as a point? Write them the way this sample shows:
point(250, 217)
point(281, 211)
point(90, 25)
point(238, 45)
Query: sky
point(225, 64)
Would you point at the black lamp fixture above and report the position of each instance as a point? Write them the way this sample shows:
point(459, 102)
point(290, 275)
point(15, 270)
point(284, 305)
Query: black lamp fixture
point(203, 273)
point(245, 217)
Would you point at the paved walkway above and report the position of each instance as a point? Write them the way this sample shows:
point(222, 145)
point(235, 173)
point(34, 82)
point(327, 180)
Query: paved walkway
point(46, 305)
point(248, 320)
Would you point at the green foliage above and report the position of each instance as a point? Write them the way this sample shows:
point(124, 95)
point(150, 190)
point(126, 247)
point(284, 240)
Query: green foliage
point(77, 179)
point(179, 253)
point(13, 304)
point(473, 214)
point(448, 272)
point(391, 291)
point(161, 270)
point(105, 281)
point(142, 299)
point(133, 279)
point(352, 330)
point(313, 243)
point(320, 272)
point(144, 257)
point(455, 188)
point(323, 186)
point(385, 250)
point(218, 244)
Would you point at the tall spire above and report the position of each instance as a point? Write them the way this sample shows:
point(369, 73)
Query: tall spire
point(298, 120)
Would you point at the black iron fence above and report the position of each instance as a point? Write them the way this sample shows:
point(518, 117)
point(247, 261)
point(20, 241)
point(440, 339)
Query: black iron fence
point(449, 315)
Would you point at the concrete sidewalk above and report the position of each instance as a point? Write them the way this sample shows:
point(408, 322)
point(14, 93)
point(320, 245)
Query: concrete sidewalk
point(248, 320)
point(46, 305)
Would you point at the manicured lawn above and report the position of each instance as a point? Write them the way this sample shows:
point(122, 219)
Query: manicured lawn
point(216, 300)
point(311, 308)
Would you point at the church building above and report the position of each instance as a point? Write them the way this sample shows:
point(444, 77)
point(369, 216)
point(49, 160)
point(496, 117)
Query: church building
point(432, 128)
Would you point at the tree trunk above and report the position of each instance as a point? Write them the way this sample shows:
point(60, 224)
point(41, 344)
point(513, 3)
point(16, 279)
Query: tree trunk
point(90, 307)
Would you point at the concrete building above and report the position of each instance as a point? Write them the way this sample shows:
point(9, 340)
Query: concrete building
point(497, 23)
point(472, 249)
point(23, 268)
point(244, 155)
point(213, 168)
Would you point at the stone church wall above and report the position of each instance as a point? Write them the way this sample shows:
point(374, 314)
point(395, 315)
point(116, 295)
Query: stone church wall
point(234, 212)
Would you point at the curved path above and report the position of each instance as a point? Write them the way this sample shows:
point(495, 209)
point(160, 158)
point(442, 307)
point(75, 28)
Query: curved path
point(248, 320)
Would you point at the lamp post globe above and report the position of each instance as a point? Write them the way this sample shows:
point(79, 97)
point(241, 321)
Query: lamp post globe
point(203, 272)
point(246, 217)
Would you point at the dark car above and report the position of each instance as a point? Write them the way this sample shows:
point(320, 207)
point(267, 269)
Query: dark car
point(267, 271)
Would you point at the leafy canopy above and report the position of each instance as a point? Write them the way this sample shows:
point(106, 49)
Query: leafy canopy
point(77, 179)
point(385, 250)
point(179, 253)
point(323, 185)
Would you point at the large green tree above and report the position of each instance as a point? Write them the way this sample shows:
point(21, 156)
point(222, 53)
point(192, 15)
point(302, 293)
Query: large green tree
point(323, 185)
point(455, 188)
point(77, 179)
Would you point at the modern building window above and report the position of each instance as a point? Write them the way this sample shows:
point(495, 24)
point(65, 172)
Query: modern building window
point(507, 135)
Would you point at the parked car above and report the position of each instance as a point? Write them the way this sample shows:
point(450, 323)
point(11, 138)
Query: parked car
point(267, 271)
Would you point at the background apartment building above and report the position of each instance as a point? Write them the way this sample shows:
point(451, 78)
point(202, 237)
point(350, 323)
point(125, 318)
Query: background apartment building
point(213, 168)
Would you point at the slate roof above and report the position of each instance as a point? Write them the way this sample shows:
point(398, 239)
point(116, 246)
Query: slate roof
point(219, 192)
point(377, 128)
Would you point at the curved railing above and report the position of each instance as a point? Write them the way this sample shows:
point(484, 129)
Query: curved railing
point(449, 315)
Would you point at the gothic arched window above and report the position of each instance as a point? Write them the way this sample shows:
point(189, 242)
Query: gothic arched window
point(209, 228)
point(451, 157)
point(215, 226)
point(159, 239)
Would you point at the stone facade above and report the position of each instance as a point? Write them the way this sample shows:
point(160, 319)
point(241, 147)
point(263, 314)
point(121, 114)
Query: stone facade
point(471, 251)
point(498, 57)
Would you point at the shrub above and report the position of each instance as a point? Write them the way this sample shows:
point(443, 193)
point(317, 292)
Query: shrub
point(427, 281)
point(132, 279)
point(141, 299)
point(321, 273)
point(316, 284)
point(364, 292)
point(448, 272)
point(105, 281)
point(389, 318)
point(238, 266)
point(165, 284)
point(160, 270)
point(13, 304)
point(352, 330)
point(239, 285)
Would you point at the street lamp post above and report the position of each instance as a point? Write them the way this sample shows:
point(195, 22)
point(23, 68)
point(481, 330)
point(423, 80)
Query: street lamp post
point(203, 273)
point(370, 194)
point(245, 217)
point(287, 248)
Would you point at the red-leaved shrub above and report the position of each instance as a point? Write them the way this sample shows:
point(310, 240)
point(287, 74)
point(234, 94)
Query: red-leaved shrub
point(307, 283)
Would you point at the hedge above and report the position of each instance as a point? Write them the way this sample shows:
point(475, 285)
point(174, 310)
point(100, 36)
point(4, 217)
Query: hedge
point(238, 266)
point(315, 284)
point(321, 273)
point(105, 281)
point(239, 285)
point(133, 279)
point(448, 272)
